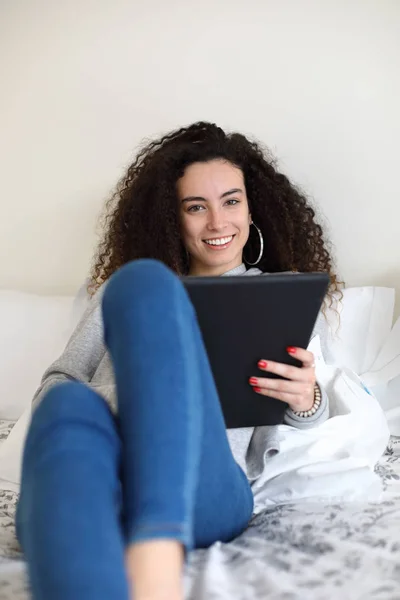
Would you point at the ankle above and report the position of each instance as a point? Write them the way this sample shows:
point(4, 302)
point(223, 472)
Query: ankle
point(154, 569)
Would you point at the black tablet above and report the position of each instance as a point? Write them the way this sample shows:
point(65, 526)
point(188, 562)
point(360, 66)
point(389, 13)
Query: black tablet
point(247, 318)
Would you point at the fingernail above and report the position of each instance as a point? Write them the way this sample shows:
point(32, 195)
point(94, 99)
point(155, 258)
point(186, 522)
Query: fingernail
point(291, 350)
point(262, 364)
point(253, 381)
point(257, 389)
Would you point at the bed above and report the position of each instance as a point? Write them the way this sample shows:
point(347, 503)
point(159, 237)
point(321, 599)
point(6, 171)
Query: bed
point(289, 552)
point(294, 550)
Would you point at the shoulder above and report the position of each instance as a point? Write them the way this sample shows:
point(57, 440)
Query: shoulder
point(87, 310)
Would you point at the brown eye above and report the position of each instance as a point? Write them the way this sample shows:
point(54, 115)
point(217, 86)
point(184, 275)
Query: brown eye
point(195, 208)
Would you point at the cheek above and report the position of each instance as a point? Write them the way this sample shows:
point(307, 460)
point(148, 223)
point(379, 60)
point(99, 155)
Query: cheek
point(245, 224)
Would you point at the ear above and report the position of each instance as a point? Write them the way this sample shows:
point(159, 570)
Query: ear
point(250, 219)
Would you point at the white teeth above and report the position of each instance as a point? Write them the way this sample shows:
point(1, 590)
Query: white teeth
point(220, 241)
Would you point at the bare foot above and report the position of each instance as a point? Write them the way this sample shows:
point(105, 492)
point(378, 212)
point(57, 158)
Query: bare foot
point(154, 570)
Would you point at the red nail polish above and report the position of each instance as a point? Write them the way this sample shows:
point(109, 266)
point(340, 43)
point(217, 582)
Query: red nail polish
point(262, 364)
point(253, 381)
point(257, 389)
point(291, 350)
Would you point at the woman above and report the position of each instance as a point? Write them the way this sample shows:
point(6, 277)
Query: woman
point(112, 499)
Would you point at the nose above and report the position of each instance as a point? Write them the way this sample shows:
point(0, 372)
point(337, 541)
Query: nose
point(215, 220)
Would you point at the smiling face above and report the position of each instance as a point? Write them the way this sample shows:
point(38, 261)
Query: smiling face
point(214, 216)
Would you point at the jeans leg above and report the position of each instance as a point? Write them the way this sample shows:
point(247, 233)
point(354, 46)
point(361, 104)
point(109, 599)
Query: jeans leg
point(178, 469)
point(68, 514)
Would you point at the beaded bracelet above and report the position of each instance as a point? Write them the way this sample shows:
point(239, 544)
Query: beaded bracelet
point(315, 406)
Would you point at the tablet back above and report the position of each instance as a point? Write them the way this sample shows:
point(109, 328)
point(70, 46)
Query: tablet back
point(244, 319)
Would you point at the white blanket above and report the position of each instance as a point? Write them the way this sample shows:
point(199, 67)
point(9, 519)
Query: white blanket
point(336, 460)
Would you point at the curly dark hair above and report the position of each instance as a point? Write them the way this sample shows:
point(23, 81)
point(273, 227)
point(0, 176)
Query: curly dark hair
point(141, 218)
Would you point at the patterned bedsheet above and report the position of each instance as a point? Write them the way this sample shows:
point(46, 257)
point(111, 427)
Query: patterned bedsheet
point(291, 552)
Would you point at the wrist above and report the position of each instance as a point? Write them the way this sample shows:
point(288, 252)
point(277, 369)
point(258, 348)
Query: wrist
point(317, 399)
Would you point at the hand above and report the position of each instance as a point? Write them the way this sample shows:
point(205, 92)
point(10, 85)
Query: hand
point(297, 389)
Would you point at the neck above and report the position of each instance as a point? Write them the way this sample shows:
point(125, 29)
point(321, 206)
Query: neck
point(200, 270)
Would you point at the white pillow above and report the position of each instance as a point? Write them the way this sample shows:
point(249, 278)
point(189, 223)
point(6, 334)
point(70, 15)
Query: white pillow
point(366, 318)
point(34, 331)
point(11, 451)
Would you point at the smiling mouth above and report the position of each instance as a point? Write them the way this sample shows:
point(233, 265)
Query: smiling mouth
point(219, 243)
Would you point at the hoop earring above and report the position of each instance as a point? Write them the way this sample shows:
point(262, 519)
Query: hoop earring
point(252, 264)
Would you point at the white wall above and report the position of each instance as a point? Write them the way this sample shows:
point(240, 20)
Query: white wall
point(83, 81)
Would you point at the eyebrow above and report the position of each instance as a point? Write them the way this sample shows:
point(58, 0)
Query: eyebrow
point(228, 193)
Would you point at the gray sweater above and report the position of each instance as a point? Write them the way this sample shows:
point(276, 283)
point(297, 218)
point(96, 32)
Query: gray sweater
point(86, 359)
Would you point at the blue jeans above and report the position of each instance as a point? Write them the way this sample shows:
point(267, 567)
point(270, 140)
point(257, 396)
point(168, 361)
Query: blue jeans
point(92, 483)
